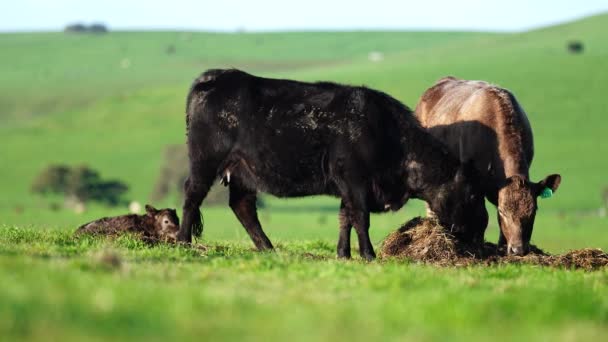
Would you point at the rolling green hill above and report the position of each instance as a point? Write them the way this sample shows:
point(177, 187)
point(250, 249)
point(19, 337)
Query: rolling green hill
point(66, 98)
point(51, 72)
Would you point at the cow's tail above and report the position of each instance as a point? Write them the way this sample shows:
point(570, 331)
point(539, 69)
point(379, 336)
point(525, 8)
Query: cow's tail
point(206, 80)
point(202, 84)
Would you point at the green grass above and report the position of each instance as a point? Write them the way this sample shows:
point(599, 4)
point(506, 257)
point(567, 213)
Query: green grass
point(56, 287)
point(66, 99)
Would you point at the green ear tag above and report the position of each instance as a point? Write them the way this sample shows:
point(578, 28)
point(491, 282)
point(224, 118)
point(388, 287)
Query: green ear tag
point(546, 193)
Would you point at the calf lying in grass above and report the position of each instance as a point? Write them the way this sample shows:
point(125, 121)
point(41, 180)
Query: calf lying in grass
point(155, 225)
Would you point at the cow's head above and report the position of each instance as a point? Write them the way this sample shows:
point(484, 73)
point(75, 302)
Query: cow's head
point(460, 205)
point(166, 222)
point(517, 204)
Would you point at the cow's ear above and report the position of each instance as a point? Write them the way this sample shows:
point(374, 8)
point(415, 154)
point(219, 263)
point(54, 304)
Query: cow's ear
point(150, 210)
point(546, 187)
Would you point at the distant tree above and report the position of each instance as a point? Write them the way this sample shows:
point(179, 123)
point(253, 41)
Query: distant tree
point(82, 28)
point(575, 46)
point(98, 28)
point(173, 174)
point(53, 179)
point(75, 28)
point(79, 184)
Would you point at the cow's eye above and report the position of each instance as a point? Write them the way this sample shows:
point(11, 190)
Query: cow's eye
point(166, 221)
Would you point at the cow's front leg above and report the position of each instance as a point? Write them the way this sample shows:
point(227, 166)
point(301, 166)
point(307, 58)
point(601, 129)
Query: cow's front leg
point(358, 215)
point(360, 219)
point(345, 228)
point(353, 189)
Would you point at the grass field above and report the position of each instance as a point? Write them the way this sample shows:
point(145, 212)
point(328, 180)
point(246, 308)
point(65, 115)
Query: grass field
point(114, 101)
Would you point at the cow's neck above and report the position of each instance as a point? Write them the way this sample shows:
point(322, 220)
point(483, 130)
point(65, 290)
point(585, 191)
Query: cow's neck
point(428, 166)
point(516, 165)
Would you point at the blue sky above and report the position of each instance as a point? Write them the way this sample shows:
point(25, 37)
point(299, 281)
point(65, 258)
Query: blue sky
point(256, 15)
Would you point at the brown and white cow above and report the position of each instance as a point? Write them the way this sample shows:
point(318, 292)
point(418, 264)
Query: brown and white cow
point(485, 123)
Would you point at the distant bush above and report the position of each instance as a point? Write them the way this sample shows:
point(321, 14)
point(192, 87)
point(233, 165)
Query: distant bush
point(82, 28)
point(79, 184)
point(170, 50)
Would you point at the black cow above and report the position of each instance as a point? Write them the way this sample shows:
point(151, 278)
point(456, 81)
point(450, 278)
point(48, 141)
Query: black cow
point(293, 139)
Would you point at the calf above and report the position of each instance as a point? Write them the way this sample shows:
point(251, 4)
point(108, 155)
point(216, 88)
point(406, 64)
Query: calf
point(154, 225)
point(292, 139)
point(485, 123)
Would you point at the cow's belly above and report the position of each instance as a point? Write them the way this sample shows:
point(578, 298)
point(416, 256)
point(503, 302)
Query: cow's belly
point(295, 175)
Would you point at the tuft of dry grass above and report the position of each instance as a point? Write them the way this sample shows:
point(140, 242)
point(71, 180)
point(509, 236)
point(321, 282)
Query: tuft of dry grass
point(587, 258)
point(425, 240)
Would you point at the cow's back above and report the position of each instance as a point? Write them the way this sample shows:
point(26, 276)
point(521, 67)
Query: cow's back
point(290, 138)
point(482, 122)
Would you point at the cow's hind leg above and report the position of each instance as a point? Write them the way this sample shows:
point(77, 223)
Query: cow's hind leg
point(345, 228)
point(243, 204)
point(196, 188)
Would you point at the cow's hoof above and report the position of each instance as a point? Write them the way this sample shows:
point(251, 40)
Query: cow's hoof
point(368, 256)
point(344, 255)
point(184, 239)
point(265, 248)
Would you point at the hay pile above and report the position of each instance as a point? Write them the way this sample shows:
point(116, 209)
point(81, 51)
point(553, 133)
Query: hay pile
point(587, 258)
point(423, 239)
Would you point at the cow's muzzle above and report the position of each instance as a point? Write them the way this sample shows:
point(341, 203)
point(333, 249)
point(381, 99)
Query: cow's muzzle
point(518, 249)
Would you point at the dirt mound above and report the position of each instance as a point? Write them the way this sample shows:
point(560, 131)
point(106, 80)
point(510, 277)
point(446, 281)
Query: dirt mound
point(423, 239)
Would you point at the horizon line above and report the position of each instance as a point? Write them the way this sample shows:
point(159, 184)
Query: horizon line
point(244, 30)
